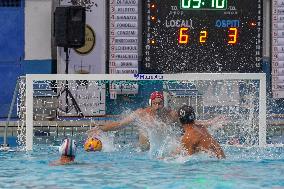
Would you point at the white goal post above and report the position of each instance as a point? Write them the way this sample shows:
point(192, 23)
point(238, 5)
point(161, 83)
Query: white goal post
point(31, 78)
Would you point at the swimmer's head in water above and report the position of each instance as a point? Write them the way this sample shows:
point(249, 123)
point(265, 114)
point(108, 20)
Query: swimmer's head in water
point(68, 148)
point(186, 114)
point(156, 99)
point(92, 145)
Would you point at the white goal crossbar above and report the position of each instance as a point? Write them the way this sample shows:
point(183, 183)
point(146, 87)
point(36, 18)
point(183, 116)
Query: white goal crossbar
point(30, 78)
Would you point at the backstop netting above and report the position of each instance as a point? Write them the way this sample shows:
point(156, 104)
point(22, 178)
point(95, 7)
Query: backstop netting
point(71, 103)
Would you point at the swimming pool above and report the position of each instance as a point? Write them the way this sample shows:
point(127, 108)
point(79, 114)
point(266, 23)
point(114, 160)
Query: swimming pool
point(128, 168)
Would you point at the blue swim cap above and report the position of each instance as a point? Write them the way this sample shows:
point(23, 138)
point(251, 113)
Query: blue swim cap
point(68, 147)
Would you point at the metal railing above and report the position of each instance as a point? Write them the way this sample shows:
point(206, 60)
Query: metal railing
point(5, 144)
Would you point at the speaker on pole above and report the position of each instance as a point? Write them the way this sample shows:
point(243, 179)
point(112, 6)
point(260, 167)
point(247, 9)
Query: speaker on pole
point(69, 32)
point(69, 26)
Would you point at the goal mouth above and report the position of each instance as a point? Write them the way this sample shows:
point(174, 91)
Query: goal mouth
point(240, 97)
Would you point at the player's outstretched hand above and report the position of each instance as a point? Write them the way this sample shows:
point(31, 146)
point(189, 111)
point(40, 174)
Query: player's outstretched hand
point(95, 131)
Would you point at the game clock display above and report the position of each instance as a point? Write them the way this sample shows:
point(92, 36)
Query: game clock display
point(202, 36)
point(203, 4)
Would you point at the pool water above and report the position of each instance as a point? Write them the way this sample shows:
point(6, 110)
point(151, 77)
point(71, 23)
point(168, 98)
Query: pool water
point(244, 168)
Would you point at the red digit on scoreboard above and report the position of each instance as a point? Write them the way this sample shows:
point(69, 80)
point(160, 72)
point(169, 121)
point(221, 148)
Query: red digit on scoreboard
point(183, 36)
point(233, 36)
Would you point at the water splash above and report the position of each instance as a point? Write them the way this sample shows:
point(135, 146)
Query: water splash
point(164, 138)
point(107, 140)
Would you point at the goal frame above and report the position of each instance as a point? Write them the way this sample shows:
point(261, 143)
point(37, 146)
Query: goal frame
point(30, 78)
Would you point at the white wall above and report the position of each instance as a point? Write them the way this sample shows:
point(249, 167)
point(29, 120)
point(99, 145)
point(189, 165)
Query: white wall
point(38, 15)
point(95, 61)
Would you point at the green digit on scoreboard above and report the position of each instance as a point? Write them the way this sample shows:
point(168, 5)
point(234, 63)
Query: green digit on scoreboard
point(203, 4)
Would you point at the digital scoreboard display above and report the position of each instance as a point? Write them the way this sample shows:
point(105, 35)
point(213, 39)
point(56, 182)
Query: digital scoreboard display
point(204, 4)
point(202, 36)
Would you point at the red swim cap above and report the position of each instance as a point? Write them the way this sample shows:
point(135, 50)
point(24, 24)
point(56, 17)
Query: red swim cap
point(155, 95)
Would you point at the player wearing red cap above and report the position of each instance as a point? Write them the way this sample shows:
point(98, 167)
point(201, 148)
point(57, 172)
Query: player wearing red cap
point(155, 111)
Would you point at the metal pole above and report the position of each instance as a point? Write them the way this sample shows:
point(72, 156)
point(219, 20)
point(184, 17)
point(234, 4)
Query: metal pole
point(66, 82)
point(10, 113)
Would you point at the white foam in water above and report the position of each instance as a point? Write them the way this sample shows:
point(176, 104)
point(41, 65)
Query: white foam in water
point(163, 137)
point(107, 140)
point(4, 148)
point(12, 149)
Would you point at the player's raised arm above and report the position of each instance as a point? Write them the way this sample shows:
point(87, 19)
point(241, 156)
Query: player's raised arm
point(216, 120)
point(115, 125)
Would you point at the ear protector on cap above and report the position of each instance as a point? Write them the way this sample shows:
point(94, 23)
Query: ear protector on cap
point(186, 114)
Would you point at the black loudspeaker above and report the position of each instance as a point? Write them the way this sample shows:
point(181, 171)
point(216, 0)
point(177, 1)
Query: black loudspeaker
point(69, 26)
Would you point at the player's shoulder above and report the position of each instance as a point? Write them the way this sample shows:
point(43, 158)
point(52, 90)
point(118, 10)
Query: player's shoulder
point(142, 110)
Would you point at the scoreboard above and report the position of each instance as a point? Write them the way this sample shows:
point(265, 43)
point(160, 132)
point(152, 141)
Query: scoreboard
point(202, 36)
point(277, 48)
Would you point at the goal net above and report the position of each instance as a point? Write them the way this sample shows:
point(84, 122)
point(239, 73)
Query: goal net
point(73, 102)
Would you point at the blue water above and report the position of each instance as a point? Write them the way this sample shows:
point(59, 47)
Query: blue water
point(244, 168)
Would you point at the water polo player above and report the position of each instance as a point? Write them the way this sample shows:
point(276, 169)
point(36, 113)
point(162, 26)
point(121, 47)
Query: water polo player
point(155, 110)
point(196, 138)
point(67, 151)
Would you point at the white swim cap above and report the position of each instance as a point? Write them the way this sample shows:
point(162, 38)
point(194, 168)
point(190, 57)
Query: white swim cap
point(68, 147)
